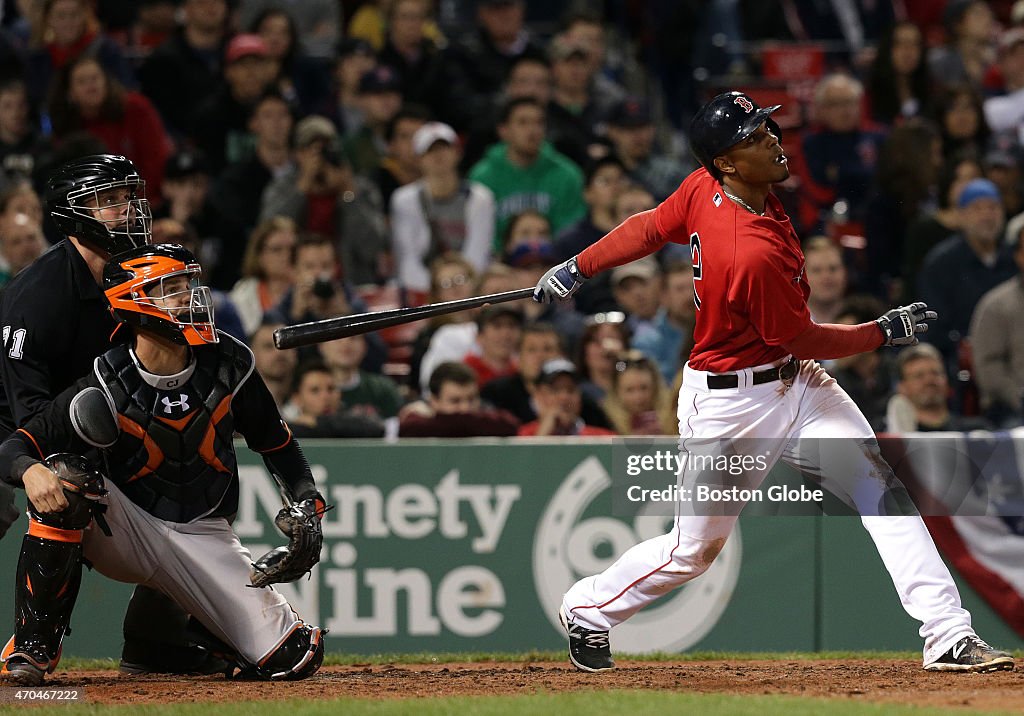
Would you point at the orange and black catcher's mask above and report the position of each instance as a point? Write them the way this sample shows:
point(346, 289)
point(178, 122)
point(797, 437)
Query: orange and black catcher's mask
point(156, 289)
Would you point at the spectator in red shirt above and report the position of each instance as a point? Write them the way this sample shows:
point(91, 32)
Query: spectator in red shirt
point(559, 401)
point(498, 331)
point(87, 97)
point(68, 30)
point(453, 409)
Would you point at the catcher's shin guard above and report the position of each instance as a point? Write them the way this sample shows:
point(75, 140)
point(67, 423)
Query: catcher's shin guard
point(49, 574)
point(50, 568)
point(297, 657)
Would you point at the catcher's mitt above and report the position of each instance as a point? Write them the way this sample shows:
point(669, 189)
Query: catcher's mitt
point(301, 523)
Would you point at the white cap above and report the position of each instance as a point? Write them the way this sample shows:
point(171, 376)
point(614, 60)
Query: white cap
point(430, 133)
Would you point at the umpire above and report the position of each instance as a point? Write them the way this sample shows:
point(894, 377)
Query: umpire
point(56, 321)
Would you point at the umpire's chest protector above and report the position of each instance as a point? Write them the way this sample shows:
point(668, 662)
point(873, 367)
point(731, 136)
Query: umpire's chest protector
point(175, 458)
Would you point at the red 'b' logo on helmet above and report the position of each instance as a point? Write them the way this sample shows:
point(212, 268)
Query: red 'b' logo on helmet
point(745, 103)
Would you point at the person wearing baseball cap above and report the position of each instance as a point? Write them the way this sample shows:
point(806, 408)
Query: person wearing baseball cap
point(379, 95)
point(186, 193)
point(636, 287)
point(575, 111)
point(961, 269)
point(221, 128)
point(324, 196)
point(632, 133)
point(440, 212)
point(559, 401)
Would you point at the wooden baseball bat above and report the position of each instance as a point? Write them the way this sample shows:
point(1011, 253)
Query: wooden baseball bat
point(329, 329)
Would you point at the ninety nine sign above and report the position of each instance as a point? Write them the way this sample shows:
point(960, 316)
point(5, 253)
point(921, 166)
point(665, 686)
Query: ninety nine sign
point(471, 547)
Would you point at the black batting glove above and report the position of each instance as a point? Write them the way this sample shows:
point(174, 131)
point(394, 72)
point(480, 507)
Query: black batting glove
point(559, 283)
point(900, 326)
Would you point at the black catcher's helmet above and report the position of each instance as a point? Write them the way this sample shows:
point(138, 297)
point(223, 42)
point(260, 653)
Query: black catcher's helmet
point(156, 288)
point(75, 191)
point(724, 121)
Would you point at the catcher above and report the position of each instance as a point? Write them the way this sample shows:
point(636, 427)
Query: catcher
point(159, 411)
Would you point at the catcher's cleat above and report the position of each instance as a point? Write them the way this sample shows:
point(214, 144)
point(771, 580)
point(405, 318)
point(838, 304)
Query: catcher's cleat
point(972, 654)
point(22, 673)
point(192, 661)
point(589, 650)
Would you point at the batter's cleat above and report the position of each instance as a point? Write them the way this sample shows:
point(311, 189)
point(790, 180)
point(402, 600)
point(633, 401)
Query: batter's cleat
point(972, 654)
point(589, 650)
point(22, 673)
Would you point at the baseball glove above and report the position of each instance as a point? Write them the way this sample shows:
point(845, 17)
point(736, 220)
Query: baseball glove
point(300, 522)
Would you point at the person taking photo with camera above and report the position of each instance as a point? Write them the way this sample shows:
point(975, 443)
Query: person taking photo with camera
point(319, 293)
point(324, 196)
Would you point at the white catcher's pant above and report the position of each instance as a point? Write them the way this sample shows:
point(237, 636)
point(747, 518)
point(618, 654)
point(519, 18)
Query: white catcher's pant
point(201, 565)
point(770, 419)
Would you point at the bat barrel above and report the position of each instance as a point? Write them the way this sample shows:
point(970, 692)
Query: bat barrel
point(330, 329)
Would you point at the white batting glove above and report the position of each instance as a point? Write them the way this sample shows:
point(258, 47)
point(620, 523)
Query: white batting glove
point(900, 326)
point(559, 283)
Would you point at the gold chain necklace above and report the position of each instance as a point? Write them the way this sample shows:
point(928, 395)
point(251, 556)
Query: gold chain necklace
point(742, 203)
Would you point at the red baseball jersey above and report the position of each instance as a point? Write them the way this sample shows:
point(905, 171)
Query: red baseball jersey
point(748, 275)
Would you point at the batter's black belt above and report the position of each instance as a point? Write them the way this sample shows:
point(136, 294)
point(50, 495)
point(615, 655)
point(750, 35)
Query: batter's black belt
point(785, 372)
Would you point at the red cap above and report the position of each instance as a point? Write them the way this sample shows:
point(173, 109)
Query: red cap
point(245, 45)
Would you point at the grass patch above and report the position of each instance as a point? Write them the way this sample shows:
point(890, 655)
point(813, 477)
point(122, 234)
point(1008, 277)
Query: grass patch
point(565, 704)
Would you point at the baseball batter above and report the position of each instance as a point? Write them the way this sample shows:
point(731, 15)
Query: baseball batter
point(751, 376)
point(159, 412)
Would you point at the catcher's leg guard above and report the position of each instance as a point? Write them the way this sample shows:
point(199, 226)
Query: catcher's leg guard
point(49, 573)
point(297, 657)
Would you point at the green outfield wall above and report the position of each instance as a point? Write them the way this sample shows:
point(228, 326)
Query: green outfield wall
point(469, 545)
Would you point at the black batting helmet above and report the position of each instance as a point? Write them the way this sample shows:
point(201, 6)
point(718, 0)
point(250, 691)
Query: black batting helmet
point(73, 195)
point(724, 121)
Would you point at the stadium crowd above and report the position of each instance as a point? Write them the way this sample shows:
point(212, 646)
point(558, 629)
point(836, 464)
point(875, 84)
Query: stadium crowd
point(324, 158)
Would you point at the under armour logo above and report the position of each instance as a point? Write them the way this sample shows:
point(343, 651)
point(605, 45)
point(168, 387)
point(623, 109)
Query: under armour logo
point(745, 103)
point(169, 404)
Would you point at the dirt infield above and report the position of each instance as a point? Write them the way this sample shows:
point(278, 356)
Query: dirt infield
point(859, 680)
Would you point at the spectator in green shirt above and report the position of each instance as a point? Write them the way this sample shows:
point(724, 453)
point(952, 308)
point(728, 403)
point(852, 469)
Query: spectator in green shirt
point(524, 172)
point(362, 392)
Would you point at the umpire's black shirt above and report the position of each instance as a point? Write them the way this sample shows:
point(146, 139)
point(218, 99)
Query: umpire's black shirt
point(55, 321)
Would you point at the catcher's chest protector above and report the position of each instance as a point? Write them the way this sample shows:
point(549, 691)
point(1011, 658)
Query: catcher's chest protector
point(174, 457)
